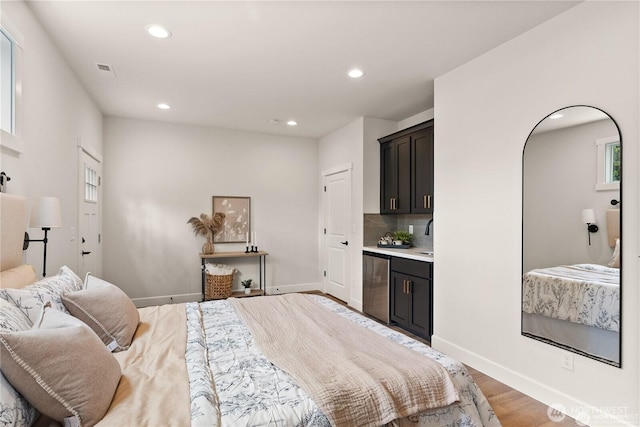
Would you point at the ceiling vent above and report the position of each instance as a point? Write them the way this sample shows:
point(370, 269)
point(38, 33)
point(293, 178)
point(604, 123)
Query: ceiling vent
point(105, 69)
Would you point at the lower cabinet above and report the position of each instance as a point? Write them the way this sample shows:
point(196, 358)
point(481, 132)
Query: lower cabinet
point(411, 299)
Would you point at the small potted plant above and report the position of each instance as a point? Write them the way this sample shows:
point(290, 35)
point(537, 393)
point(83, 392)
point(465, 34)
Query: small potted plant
point(247, 286)
point(401, 238)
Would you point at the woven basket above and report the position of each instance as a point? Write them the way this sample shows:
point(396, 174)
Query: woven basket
point(218, 287)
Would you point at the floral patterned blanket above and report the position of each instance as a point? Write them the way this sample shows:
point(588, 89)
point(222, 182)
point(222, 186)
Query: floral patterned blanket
point(587, 294)
point(233, 384)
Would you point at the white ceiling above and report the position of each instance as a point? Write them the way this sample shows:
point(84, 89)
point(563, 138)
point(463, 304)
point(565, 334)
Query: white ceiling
point(239, 64)
point(568, 117)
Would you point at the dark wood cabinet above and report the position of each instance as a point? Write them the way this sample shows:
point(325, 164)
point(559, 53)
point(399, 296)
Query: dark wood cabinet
point(406, 171)
point(411, 296)
point(422, 171)
point(395, 176)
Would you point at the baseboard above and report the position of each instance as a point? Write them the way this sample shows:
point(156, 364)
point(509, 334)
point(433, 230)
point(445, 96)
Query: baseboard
point(298, 287)
point(166, 299)
point(577, 409)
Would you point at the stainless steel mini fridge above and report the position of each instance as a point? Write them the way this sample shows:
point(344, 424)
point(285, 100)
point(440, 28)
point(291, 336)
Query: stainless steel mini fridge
point(375, 275)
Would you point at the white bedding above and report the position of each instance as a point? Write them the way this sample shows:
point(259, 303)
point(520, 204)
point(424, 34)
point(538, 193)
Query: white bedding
point(197, 364)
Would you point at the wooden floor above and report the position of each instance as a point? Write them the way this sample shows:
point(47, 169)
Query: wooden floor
point(513, 409)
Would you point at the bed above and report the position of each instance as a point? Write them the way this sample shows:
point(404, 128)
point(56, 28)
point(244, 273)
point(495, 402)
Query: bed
point(575, 306)
point(287, 360)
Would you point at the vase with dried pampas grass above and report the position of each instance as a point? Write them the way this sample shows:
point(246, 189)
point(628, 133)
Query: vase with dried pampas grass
point(207, 227)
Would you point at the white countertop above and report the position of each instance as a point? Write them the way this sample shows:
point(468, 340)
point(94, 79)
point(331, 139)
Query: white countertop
point(411, 253)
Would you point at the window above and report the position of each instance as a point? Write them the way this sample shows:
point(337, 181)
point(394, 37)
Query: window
point(609, 164)
point(7, 82)
point(612, 162)
point(11, 43)
point(90, 185)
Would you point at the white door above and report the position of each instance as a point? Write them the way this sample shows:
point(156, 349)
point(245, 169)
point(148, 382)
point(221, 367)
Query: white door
point(89, 238)
point(337, 220)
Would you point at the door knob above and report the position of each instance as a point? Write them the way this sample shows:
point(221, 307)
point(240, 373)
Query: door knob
point(345, 243)
point(85, 253)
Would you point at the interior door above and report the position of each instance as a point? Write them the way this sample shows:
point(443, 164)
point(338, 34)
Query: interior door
point(89, 234)
point(337, 220)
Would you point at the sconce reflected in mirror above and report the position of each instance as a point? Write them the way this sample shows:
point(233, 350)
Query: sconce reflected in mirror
point(46, 215)
point(589, 218)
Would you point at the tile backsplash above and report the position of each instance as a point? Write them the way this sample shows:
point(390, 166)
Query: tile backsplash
point(376, 225)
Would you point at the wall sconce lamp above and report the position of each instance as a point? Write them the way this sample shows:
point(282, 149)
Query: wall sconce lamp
point(589, 218)
point(46, 215)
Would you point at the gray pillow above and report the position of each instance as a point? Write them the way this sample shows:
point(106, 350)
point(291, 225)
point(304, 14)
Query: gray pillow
point(61, 367)
point(107, 310)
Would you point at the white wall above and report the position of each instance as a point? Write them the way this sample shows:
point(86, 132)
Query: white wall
point(356, 144)
point(416, 119)
point(373, 130)
point(344, 147)
point(560, 181)
point(158, 175)
point(57, 113)
point(485, 110)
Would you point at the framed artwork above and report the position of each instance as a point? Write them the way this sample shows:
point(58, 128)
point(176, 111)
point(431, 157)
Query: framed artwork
point(237, 222)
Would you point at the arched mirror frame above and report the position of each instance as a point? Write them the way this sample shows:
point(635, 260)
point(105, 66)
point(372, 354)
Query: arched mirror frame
point(618, 362)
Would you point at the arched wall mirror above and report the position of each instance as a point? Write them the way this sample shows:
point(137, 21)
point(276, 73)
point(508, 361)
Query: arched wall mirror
point(571, 233)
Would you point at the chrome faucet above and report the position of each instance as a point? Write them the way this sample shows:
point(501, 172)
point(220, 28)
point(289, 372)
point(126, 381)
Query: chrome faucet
point(426, 230)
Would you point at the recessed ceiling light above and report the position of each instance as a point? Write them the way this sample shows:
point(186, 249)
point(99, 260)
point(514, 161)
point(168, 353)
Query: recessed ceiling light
point(274, 121)
point(555, 116)
point(292, 123)
point(158, 31)
point(163, 106)
point(355, 73)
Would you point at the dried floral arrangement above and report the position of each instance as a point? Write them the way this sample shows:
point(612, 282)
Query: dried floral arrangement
point(207, 226)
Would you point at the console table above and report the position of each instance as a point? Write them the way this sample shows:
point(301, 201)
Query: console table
point(262, 267)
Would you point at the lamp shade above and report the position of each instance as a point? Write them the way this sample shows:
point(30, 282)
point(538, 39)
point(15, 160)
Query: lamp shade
point(588, 216)
point(46, 213)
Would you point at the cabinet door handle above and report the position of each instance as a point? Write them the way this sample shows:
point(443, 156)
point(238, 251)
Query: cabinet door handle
point(404, 286)
point(426, 201)
point(408, 286)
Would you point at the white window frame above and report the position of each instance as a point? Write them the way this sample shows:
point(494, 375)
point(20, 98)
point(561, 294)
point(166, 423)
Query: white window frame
point(603, 164)
point(12, 140)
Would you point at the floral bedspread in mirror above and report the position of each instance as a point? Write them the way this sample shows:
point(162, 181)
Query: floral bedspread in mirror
point(588, 294)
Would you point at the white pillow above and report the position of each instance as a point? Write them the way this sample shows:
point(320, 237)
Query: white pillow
point(30, 299)
point(12, 319)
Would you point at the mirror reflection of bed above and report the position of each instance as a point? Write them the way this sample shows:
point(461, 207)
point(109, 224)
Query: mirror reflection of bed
point(571, 261)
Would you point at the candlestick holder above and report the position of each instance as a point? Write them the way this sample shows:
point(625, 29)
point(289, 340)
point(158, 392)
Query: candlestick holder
point(254, 249)
point(246, 251)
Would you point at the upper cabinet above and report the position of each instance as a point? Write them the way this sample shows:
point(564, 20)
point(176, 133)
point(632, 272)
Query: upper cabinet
point(406, 170)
